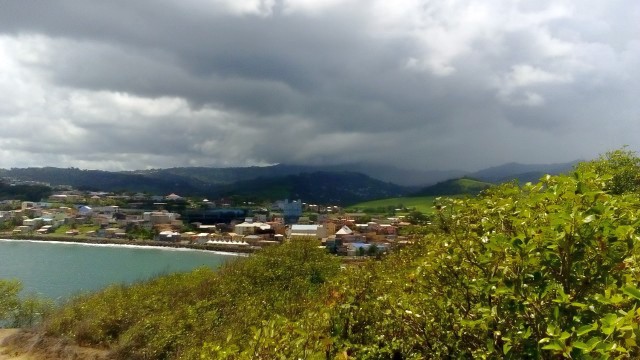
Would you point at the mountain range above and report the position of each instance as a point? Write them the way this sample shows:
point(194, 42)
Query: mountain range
point(340, 184)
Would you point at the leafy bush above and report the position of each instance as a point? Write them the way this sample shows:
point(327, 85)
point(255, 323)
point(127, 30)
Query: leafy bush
point(542, 271)
point(173, 316)
point(20, 312)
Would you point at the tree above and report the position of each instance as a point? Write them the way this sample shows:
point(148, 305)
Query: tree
point(417, 218)
point(9, 300)
point(372, 250)
point(19, 313)
point(619, 171)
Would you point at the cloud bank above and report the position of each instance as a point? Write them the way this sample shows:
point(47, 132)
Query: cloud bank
point(421, 84)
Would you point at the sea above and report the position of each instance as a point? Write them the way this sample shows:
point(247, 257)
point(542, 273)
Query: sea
point(58, 270)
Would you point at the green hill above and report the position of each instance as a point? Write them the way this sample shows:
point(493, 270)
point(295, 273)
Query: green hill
point(423, 200)
point(321, 187)
point(459, 186)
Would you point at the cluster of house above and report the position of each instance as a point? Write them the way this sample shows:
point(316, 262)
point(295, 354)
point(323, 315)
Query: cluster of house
point(108, 221)
point(341, 234)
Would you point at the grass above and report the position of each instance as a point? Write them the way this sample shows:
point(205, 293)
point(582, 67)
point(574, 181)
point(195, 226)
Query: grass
point(424, 204)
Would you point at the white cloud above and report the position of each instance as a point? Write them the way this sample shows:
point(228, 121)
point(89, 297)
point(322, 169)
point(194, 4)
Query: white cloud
point(513, 86)
point(312, 7)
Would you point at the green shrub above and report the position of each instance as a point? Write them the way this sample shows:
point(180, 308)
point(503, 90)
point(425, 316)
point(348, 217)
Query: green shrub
point(20, 312)
point(174, 316)
point(542, 271)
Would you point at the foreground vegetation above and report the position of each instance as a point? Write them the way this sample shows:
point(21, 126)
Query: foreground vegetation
point(540, 271)
point(172, 316)
point(16, 311)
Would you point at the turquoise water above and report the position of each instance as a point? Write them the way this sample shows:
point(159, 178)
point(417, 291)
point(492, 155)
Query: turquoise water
point(58, 270)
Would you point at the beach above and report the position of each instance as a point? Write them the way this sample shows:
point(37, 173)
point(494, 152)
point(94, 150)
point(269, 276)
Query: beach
point(221, 248)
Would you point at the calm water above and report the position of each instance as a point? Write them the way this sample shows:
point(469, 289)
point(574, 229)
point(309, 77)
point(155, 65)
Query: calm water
point(58, 270)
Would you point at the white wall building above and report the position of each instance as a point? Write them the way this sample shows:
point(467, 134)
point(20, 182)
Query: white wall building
point(306, 231)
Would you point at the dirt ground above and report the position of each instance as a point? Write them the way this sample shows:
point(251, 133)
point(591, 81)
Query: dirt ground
point(5, 351)
point(16, 344)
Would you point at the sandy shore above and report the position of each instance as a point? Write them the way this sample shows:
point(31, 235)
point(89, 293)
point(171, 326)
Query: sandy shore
point(231, 249)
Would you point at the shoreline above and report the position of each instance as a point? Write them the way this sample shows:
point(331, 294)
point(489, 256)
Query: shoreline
point(217, 248)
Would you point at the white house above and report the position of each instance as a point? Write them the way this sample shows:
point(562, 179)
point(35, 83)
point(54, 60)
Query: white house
point(168, 236)
point(32, 223)
point(173, 197)
point(344, 231)
point(85, 210)
point(307, 231)
point(249, 227)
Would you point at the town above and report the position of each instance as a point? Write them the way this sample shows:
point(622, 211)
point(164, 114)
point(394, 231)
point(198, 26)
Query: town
point(221, 225)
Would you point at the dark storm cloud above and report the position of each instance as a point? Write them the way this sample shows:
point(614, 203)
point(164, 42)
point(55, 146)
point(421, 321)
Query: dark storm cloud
point(424, 84)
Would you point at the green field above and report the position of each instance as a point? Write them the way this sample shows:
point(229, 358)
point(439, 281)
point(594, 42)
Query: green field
point(424, 201)
point(424, 204)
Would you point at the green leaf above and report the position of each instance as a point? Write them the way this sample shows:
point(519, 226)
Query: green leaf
point(490, 345)
point(607, 330)
point(609, 319)
point(554, 345)
point(580, 345)
point(593, 342)
point(632, 291)
point(579, 305)
point(544, 340)
point(586, 329)
point(506, 348)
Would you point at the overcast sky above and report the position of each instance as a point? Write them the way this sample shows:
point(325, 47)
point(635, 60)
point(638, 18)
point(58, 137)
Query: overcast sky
point(123, 84)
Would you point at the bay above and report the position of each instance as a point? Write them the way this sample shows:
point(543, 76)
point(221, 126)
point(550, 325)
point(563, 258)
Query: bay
point(59, 270)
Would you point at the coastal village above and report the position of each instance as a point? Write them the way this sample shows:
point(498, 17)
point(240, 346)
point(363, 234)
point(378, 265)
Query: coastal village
point(173, 220)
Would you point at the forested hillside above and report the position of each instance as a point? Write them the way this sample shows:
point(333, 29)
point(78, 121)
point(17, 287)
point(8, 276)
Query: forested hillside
point(324, 187)
point(23, 192)
point(539, 271)
point(341, 188)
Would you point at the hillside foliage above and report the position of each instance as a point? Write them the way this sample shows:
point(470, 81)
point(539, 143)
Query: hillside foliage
point(23, 192)
point(540, 271)
point(173, 316)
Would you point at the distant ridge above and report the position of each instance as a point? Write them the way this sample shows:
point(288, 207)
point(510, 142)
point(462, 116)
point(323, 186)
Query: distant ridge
point(271, 183)
point(339, 184)
point(321, 187)
point(105, 180)
point(521, 172)
point(386, 173)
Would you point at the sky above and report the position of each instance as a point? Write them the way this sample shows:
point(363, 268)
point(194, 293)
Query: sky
point(428, 85)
